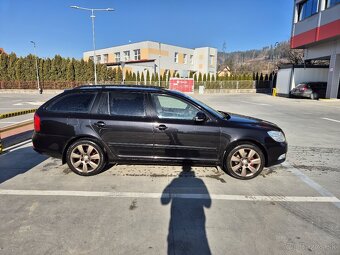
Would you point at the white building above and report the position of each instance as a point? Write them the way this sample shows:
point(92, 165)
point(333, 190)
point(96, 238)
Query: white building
point(155, 57)
point(316, 29)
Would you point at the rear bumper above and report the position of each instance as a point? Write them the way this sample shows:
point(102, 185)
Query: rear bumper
point(49, 144)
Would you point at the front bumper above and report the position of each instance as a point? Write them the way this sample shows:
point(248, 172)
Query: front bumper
point(276, 153)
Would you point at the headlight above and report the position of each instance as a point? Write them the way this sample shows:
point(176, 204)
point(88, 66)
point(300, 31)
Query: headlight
point(277, 136)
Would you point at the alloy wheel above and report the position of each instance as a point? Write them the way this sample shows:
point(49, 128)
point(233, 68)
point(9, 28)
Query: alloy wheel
point(245, 162)
point(85, 158)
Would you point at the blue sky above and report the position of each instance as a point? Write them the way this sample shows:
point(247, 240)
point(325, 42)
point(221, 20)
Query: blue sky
point(58, 29)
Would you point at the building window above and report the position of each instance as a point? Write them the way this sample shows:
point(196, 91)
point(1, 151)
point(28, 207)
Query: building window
point(191, 59)
point(117, 56)
point(185, 58)
point(127, 55)
point(176, 57)
point(212, 60)
point(99, 58)
point(105, 57)
point(137, 54)
point(307, 9)
point(330, 3)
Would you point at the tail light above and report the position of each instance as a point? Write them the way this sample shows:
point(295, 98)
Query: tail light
point(303, 88)
point(36, 123)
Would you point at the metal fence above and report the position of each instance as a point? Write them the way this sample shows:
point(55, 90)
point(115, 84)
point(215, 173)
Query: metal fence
point(244, 84)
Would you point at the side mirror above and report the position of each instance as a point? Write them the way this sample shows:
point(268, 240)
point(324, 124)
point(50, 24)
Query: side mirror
point(200, 117)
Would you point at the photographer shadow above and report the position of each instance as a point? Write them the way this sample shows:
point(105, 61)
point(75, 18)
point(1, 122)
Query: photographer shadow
point(188, 196)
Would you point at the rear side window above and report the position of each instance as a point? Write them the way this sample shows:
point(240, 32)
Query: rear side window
point(80, 102)
point(127, 104)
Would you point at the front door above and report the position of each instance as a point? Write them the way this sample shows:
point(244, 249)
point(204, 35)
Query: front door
point(177, 136)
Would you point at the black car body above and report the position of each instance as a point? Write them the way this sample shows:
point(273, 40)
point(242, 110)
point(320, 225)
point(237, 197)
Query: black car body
point(312, 90)
point(137, 124)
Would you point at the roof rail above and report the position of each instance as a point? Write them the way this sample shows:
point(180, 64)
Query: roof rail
point(103, 86)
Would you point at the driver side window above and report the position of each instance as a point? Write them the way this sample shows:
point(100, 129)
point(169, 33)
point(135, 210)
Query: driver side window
point(168, 107)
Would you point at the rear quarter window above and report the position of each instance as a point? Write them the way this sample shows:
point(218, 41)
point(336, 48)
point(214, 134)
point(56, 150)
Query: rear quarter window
point(77, 102)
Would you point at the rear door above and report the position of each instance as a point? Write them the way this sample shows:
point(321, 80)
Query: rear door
point(123, 124)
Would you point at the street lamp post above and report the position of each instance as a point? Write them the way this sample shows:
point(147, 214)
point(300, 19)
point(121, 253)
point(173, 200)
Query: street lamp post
point(159, 65)
point(36, 66)
point(92, 10)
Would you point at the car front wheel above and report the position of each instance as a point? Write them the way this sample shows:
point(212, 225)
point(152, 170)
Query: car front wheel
point(85, 157)
point(245, 161)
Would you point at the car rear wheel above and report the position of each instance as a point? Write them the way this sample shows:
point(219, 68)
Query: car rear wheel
point(85, 157)
point(245, 161)
point(314, 96)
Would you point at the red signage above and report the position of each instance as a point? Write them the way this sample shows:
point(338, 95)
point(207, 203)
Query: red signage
point(182, 84)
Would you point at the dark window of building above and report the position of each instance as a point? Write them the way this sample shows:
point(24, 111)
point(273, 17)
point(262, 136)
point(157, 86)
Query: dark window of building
point(73, 103)
point(331, 3)
point(307, 9)
point(127, 104)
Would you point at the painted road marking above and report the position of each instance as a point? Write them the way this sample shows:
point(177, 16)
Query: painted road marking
point(331, 120)
point(321, 190)
point(76, 193)
point(246, 102)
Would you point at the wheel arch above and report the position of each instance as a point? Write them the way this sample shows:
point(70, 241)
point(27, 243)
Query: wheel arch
point(235, 143)
point(84, 137)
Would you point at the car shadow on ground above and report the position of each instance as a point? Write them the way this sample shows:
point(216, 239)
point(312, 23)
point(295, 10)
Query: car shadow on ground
point(18, 161)
point(187, 233)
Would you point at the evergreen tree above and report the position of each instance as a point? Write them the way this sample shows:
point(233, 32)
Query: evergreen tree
point(204, 77)
point(142, 80)
point(261, 77)
point(147, 77)
point(134, 77)
point(70, 73)
point(3, 67)
point(138, 77)
point(199, 76)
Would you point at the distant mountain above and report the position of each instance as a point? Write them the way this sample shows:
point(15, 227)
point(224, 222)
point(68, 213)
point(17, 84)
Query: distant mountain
point(263, 60)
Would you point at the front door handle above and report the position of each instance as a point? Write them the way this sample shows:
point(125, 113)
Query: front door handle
point(162, 127)
point(100, 124)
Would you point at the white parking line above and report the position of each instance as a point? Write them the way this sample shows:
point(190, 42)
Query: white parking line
point(167, 195)
point(321, 190)
point(246, 102)
point(331, 120)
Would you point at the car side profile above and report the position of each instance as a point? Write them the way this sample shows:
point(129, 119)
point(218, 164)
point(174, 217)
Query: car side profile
point(312, 90)
point(91, 126)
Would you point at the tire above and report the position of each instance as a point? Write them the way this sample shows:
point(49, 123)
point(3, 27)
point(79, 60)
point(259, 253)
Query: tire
point(314, 96)
point(245, 161)
point(84, 162)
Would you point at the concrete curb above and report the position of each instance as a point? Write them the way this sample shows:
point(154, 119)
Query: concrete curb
point(31, 91)
point(17, 113)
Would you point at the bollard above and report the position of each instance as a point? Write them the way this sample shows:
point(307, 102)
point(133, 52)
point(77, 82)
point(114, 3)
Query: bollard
point(274, 92)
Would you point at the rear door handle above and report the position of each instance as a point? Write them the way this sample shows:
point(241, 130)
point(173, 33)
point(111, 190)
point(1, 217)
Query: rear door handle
point(162, 127)
point(100, 124)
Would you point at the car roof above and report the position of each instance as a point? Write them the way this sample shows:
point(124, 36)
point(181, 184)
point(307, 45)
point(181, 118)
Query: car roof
point(121, 87)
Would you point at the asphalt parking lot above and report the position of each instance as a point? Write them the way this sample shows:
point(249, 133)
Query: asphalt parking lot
point(292, 208)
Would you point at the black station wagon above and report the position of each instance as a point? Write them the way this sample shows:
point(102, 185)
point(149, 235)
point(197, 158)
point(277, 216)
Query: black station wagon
point(91, 126)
